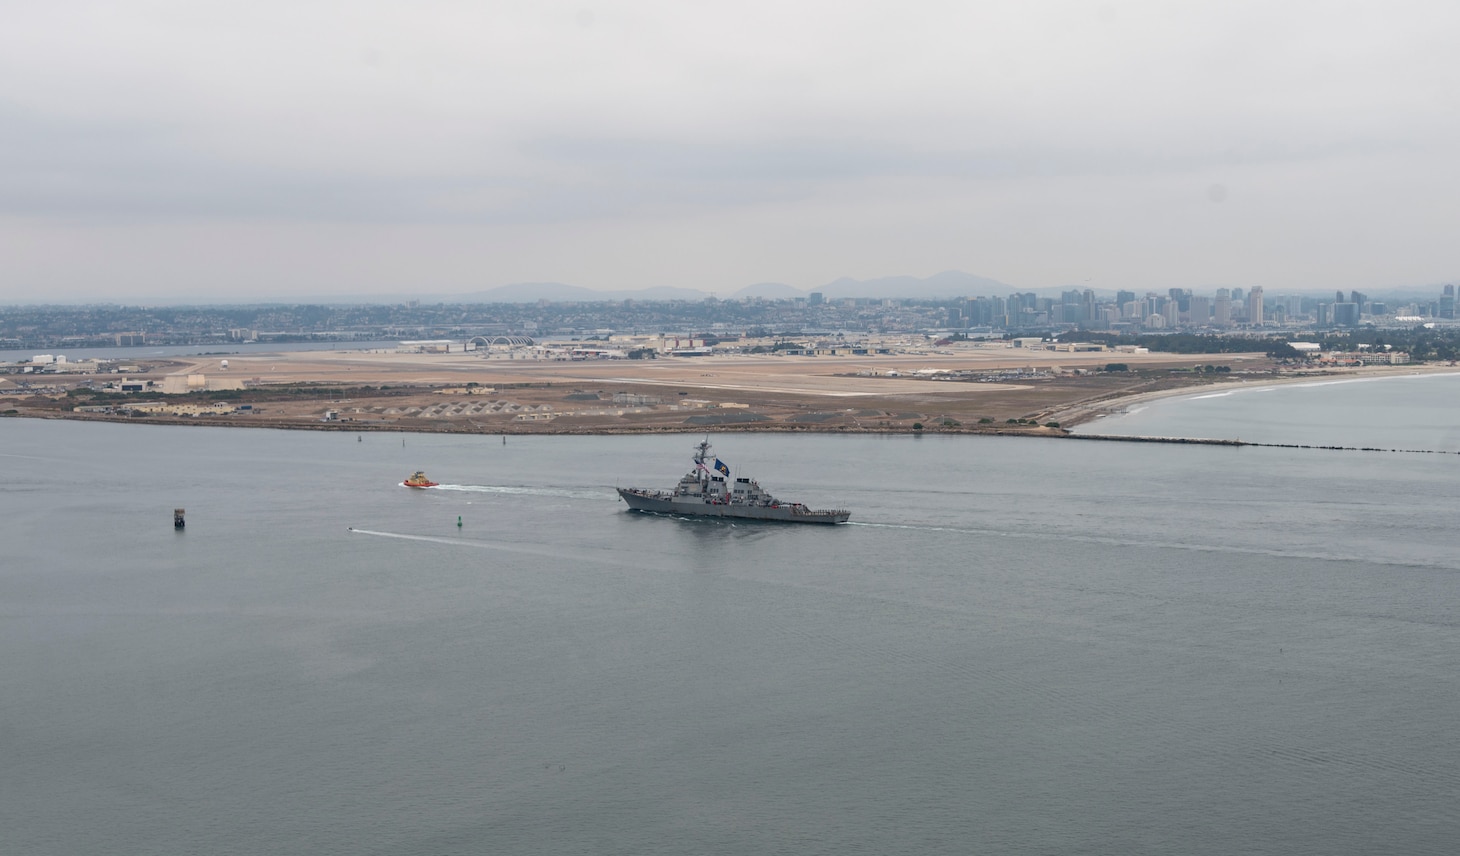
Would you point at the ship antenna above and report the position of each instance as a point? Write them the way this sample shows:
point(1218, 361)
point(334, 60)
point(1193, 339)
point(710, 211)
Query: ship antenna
point(701, 452)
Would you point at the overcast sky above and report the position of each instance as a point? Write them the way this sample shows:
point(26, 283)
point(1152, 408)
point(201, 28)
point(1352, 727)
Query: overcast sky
point(186, 148)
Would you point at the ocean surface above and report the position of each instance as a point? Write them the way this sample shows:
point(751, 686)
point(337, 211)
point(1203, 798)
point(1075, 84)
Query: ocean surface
point(1419, 411)
point(1028, 646)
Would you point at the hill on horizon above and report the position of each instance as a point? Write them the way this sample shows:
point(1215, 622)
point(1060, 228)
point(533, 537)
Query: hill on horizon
point(770, 291)
point(945, 285)
point(559, 292)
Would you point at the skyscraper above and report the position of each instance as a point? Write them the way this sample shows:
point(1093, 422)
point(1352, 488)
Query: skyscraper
point(1222, 316)
point(1199, 311)
point(1254, 306)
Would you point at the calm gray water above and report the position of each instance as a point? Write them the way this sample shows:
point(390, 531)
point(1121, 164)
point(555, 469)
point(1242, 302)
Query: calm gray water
point(1406, 411)
point(1019, 646)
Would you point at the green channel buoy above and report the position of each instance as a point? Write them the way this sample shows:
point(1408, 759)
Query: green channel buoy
point(458, 521)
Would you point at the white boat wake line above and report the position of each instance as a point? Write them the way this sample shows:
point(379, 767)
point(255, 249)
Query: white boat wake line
point(523, 491)
point(457, 542)
point(524, 549)
point(26, 457)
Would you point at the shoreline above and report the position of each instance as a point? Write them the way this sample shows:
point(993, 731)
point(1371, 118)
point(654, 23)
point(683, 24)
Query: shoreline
point(1001, 431)
point(1084, 414)
point(1082, 408)
point(504, 431)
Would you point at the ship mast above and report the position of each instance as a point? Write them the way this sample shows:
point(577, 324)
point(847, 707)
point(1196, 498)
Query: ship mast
point(701, 451)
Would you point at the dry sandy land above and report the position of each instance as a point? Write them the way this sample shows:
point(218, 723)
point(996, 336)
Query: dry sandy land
point(750, 392)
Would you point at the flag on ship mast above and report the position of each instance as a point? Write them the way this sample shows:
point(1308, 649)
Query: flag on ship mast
point(721, 468)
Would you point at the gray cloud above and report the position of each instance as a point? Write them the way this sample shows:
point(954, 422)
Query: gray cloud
point(628, 144)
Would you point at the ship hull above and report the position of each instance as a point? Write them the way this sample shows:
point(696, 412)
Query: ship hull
point(658, 503)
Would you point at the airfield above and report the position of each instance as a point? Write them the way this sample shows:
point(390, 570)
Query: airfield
point(970, 388)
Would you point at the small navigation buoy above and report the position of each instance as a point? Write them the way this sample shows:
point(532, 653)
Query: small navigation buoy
point(177, 518)
point(504, 439)
point(458, 521)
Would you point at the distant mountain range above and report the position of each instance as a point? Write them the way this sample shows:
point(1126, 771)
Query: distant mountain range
point(940, 286)
point(945, 285)
point(558, 292)
point(948, 284)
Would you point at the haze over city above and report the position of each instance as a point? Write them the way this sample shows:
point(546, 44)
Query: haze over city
point(169, 150)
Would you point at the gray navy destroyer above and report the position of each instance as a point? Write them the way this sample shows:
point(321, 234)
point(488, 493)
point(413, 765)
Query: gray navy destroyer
point(706, 492)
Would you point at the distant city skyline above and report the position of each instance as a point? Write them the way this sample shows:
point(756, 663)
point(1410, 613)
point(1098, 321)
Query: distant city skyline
point(934, 288)
point(1217, 316)
point(172, 152)
point(945, 286)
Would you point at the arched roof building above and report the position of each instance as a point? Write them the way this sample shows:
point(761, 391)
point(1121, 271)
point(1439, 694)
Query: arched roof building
point(501, 341)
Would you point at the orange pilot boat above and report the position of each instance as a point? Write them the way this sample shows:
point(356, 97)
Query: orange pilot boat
point(418, 479)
